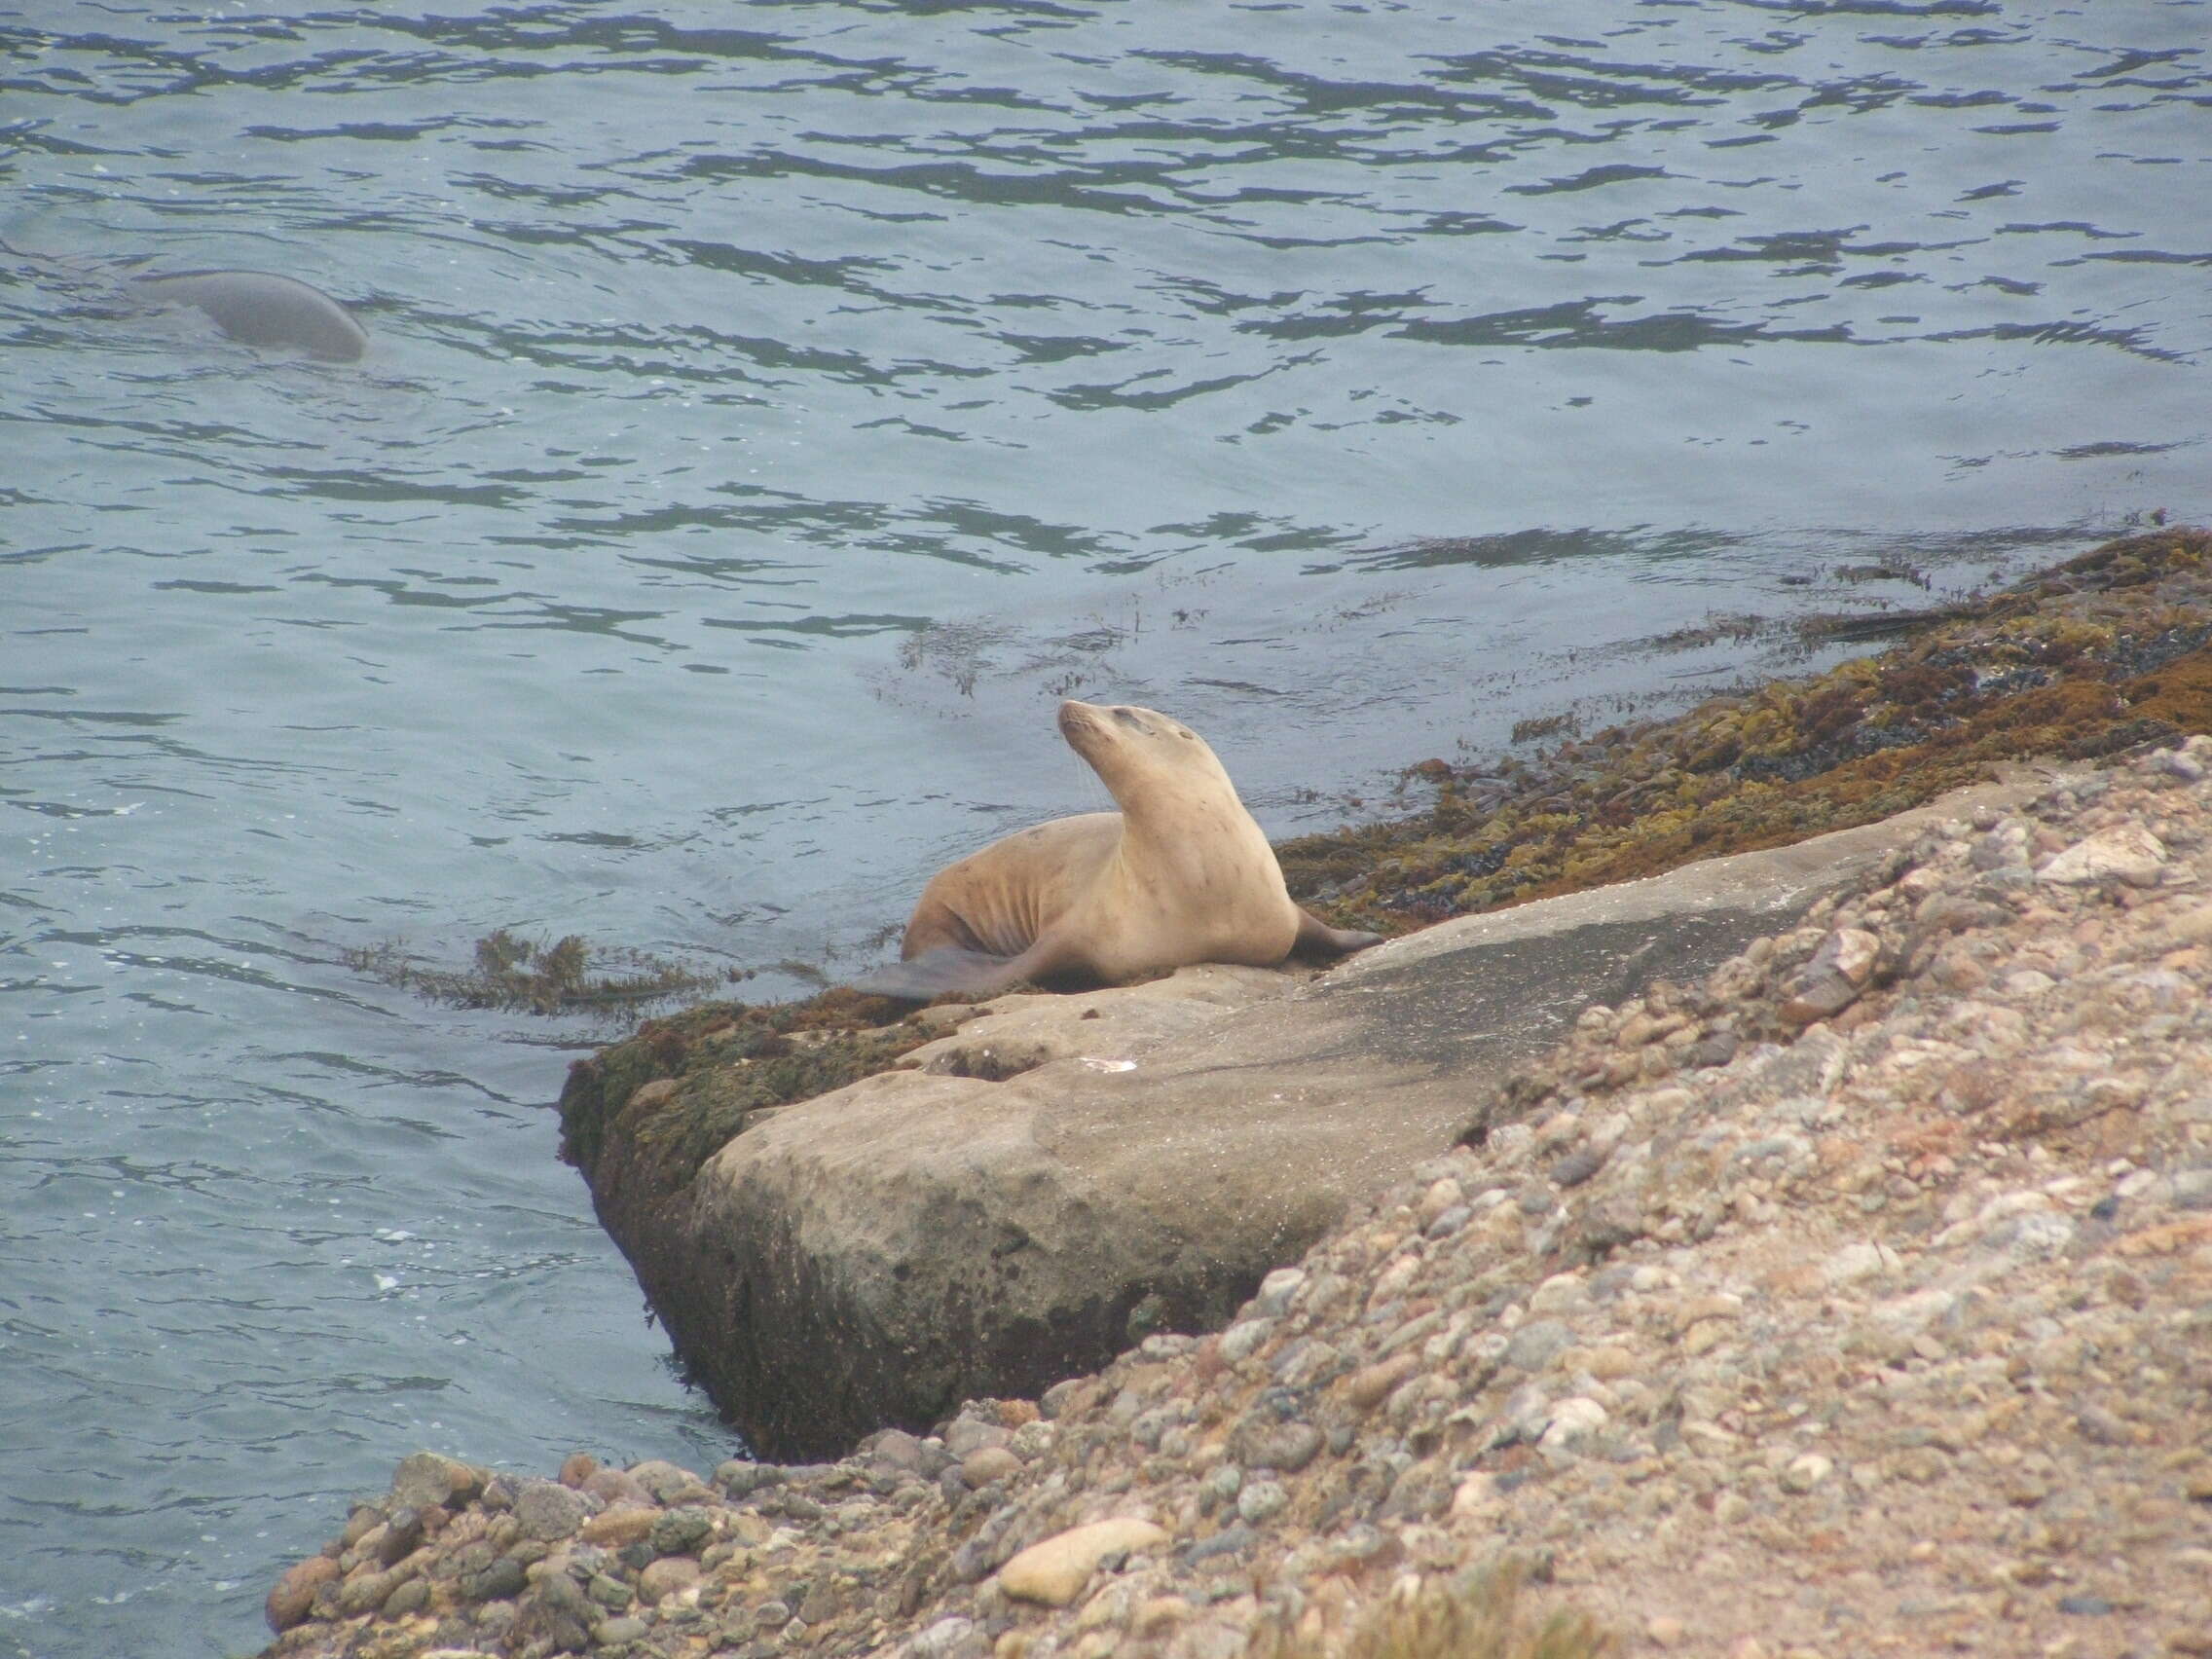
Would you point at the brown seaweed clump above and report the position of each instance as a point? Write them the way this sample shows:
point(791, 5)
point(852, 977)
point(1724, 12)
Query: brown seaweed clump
point(522, 975)
point(2101, 653)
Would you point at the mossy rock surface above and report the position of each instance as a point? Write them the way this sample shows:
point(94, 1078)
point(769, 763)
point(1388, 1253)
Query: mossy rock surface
point(717, 1066)
point(2096, 656)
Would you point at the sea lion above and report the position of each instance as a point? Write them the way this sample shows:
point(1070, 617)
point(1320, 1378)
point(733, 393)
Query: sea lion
point(263, 309)
point(1180, 874)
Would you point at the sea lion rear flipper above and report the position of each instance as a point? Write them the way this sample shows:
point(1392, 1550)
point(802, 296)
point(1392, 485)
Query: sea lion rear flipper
point(1315, 938)
point(936, 973)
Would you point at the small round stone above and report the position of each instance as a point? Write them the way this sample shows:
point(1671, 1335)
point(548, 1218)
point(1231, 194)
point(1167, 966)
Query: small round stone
point(294, 1595)
point(1261, 1502)
point(550, 1511)
point(668, 1576)
point(990, 1463)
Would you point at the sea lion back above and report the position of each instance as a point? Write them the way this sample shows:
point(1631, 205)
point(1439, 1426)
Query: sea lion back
point(1000, 901)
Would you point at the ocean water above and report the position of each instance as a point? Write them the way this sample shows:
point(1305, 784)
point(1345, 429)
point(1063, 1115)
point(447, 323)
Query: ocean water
point(772, 410)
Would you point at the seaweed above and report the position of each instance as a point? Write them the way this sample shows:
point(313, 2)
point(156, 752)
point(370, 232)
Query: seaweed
point(530, 976)
point(2105, 651)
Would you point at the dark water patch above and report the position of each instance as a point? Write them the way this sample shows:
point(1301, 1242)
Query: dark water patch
point(2149, 256)
point(826, 627)
point(1592, 178)
point(2113, 445)
point(1863, 628)
point(1541, 547)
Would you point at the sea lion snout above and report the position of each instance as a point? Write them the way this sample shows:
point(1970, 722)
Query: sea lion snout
point(1088, 725)
point(1105, 718)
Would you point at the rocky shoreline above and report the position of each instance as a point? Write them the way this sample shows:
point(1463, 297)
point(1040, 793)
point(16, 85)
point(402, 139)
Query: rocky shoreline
point(849, 1216)
point(1849, 1298)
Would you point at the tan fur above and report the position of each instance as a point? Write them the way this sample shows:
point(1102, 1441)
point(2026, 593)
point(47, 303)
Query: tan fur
point(1180, 874)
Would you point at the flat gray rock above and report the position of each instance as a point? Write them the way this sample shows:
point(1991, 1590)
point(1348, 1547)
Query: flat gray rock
point(878, 1254)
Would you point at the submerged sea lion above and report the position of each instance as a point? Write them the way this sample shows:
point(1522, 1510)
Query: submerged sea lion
point(1180, 874)
point(263, 309)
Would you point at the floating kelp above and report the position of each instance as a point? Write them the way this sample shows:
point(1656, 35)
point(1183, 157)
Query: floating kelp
point(570, 976)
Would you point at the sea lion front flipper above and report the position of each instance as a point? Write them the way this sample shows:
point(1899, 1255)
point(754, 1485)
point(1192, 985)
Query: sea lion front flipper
point(940, 972)
point(1315, 938)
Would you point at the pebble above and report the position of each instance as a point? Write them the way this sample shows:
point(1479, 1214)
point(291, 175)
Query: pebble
point(1572, 1419)
point(670, 1483)
point(1277, 1292)
point(1243, 1341)
point(549, 1511)
point(1577, 1167)
point(294, 1594)
point(1834, 977)
point(614, 1485)
point(426, 1478)
point(1536, 1344)
point(1372, 1385)
point(407, 1599)
point(615, 1527)
point(979, 1469)
point(1285, 1448)
point(667, 1576)
point(2129, 853)
point(942, 1639)
point(1261, 1502)
point(1054, 1571)
point(966, 1436)
point(1806, 1471)
point(497, 1582)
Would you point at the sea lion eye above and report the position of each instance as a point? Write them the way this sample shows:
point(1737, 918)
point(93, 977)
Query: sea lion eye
point(1129, 716)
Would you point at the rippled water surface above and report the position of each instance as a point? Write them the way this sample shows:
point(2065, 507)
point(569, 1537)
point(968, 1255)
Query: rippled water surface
point(772, 409)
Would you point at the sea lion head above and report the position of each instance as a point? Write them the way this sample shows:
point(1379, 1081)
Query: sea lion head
point(1139, 753)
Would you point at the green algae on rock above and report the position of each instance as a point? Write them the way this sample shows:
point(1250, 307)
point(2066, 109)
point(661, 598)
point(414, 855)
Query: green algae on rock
point(2103, 652)
point(681, 1087)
